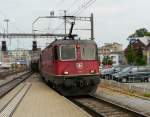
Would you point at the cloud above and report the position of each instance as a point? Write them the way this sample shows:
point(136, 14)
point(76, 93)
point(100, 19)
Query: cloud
point(114, 19)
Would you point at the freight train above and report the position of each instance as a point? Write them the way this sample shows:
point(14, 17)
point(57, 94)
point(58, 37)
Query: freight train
point(35, 55)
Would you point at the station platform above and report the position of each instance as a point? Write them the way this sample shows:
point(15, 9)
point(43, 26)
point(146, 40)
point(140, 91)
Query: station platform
point(42, 101)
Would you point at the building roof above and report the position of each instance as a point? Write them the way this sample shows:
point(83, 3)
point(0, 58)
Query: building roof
point(145, 40)
point(110, 44)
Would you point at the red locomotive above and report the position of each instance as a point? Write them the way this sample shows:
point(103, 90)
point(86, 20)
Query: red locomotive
point(71, 66)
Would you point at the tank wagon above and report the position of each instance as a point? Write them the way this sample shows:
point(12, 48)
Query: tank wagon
point(71, 66)
point(35, 56)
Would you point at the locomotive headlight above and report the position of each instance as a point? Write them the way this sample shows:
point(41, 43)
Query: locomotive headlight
point(66, 72)
point(78, 46)
point(92, 71)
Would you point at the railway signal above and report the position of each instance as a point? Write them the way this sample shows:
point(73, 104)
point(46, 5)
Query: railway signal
point(34, 46)
point(4, 47)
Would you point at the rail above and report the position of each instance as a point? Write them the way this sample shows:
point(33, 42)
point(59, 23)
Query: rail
point(5, 73)
point(8, 86)
point(98, 107)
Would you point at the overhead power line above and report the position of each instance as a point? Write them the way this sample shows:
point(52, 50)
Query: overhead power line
point(84, 6)
point(81, 8)
point(72, 5)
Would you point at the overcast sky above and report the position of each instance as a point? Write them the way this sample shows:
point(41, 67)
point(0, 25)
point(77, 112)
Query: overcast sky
point(114, 19)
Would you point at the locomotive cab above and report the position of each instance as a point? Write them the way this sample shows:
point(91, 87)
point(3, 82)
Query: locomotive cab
point(76, 59)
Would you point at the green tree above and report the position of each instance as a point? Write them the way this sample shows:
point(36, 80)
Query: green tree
point(135, 56)
point(130, 55)
point(147, 34)
point(107, 61)
point(140, 59)
point(140, 33)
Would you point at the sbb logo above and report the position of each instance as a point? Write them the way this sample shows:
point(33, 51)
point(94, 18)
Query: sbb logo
point(79, 65)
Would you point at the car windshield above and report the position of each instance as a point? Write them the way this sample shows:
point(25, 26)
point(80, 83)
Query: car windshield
point(125, 69)
point(88, 52)
point(107, 70)
point(68, 52)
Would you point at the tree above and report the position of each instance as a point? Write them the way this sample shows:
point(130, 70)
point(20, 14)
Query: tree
point(107, 61)
point(135, 56)
point(147, 34)
point(130, 55)
point(140, 33)
point(134, 53)
point(140, 59)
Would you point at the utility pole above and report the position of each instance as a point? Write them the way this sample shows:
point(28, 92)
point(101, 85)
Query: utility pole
point(7, 30)
point(65, 13)
point(7, 21)
point(4, 33)
point(92, 27)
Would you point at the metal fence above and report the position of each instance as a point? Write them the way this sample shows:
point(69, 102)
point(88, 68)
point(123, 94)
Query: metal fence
point(126, 86)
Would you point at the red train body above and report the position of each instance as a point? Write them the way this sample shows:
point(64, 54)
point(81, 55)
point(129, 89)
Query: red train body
point(71, 66)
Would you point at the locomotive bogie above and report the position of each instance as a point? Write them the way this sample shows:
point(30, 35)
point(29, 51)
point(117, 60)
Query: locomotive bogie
point(75, 85)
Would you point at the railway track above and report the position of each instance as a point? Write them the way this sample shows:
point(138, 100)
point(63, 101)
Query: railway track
point(101, 108)
point(4, 73)
point(6, 87)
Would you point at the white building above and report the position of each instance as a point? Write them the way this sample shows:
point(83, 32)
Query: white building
point(114, 51)
point(118, 58)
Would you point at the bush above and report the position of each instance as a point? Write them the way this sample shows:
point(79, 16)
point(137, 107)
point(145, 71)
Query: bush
point(147, 95)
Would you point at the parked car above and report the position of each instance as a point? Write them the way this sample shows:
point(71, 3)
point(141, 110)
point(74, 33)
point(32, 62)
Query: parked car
point(133, 74)
point(107, 73)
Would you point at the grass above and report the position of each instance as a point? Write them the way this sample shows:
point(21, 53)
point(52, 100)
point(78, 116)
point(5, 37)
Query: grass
point(132, 91)
point(147, 95)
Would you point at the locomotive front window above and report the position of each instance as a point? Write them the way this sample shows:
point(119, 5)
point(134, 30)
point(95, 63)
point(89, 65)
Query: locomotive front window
point(88, 52)
point(68, 52)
